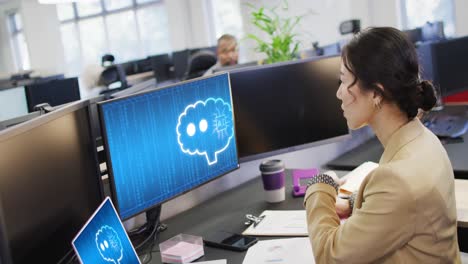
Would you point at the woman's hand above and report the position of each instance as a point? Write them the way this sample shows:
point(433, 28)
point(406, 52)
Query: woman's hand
point(335, 177)
point(343, 209)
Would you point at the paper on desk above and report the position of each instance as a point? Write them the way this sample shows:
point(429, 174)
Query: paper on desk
point(279, 251)
point(219, 261)
point(356, 176)
point(280, 223)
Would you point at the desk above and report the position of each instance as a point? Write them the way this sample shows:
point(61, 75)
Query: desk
point(227, 212)
point(139, 77)
point(461, 196)
point(372, 150)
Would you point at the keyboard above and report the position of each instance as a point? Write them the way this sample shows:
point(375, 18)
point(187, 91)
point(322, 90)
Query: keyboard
point(445, 125)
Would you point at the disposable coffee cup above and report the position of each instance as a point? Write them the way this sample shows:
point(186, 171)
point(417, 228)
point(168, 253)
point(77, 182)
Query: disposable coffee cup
point(273, 180)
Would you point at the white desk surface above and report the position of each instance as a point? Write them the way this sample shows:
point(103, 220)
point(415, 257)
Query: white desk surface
point(461, 198)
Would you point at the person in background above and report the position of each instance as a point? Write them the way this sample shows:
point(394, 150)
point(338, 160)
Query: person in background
point(227, 52)
point(404, 210)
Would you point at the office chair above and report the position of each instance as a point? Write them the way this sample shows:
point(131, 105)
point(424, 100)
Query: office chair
point(113, 74)
point(199, 63)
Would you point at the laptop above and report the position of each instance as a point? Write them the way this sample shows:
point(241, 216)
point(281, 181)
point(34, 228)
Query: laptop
point(103, 239)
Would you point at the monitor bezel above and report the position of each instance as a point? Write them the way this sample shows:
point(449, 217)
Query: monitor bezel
point(110, 168)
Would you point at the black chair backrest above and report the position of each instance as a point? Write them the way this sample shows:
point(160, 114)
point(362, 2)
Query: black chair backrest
point(112, 74)
point(199, 63)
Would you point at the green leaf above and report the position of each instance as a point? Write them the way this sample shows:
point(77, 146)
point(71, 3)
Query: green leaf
point(281, 44)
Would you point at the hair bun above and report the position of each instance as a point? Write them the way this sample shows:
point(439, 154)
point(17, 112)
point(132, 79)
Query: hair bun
point(428, 99)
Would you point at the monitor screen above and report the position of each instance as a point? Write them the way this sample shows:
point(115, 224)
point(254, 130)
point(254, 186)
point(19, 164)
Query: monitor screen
point(165, 142)
point(161, 65)
point(50, 184)
point(103, 239)
point(285, 105)
point(180, 59)
point(451, 65)
point(12, 103)
point(55, 92)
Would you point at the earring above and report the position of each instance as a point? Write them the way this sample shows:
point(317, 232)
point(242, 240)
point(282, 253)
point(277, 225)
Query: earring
point(378, 105)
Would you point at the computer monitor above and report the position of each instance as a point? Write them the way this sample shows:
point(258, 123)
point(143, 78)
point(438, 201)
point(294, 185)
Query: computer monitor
point(130, 67)
point(12, 103)
point(50, 183)
point(414, 35)
point(445, 64)
point(161, 67)
point(144, 65)
point(451, 59)
point(165, 142)
point(139, 87)
point(287, 106)
point(433, 31)
point(55, 92)
point(180, 60)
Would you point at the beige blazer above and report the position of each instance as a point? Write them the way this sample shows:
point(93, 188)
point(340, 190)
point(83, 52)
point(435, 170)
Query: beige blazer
point(404, 211)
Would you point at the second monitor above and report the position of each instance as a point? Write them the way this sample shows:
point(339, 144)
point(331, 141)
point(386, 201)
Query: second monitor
point(166, 142)
point(281, 107)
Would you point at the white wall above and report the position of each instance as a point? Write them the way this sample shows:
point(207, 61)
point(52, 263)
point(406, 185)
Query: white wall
point(179, 23)
point(42, 31)
point(384, 13)
point(189, 23)
point(320, 23)
point(461, 17)
point(6, 53)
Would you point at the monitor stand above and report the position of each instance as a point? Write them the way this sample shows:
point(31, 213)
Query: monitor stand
point(148, 233)
point(153, 218)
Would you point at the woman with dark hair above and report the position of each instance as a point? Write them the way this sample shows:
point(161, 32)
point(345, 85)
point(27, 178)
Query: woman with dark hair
point(404, 211)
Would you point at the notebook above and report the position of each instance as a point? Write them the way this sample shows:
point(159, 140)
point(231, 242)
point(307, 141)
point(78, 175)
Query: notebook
point(356, 176)
point(103, 239)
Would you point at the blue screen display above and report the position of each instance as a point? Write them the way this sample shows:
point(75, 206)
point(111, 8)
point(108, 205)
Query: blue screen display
point(104, 240)
point(165, 142)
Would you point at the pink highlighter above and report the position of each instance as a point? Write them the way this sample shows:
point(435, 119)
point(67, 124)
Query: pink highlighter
point(297, 175)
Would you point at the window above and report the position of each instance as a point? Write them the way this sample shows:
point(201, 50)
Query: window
point(128, 29)
point(417, 12)
point(18, 42)
point(227, 18)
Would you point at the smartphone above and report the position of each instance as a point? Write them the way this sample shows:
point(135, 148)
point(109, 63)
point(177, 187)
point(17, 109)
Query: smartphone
point(228, 240)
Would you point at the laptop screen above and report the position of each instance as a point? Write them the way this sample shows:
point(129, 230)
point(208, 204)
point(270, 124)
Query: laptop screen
point(103, 239)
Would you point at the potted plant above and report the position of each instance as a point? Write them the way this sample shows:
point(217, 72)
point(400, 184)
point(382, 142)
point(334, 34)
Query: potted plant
point(282, 43)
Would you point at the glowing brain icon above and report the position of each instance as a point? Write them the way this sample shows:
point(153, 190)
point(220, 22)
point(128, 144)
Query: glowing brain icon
point(205, 128)
point(109, 244)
